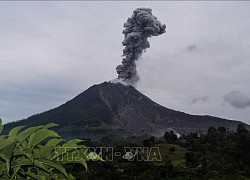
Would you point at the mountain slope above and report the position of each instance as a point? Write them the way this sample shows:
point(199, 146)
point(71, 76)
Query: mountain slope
point(119, 111)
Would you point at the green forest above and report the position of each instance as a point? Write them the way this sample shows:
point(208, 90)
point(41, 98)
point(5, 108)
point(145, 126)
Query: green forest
point(218, 154)
point(28, 153)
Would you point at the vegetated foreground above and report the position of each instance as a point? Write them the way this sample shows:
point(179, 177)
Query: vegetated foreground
point(29, 153)
point(218, 154)
point(37, 153)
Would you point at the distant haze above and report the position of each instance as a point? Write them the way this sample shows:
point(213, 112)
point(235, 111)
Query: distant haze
point(52, 51)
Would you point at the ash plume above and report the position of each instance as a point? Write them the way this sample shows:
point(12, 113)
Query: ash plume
point(138, 28)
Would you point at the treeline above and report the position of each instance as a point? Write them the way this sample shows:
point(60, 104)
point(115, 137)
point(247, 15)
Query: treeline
point(218, 154)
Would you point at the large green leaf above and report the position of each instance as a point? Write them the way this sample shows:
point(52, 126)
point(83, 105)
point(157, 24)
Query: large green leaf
point(5, 141)
point(6, 154)
point(73, 143)
point(27, 152)
point(54, 142)
point(56, 165)
point(13, 132)
point(27, 162)
point(69, 151)
point(67, 147)
point(26, 133)
point(48, 150)
point(44, 152)
point(50, 125)
point(40, 135)
point(71, 177)
point(2, 141)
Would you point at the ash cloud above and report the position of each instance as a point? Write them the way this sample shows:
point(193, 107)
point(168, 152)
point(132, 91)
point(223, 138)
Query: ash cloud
point(237, 99)
point(138, 28)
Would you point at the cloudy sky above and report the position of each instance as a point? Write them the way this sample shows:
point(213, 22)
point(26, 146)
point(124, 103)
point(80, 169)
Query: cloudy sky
point(52, 51)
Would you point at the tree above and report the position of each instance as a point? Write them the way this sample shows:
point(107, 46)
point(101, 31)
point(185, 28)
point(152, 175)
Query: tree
point(152, 139)
point(192, 159)
point(194, 135)
point(222, 130)
point(212, 131)
point(149, 142)
point(171, 149)
point(170, 137)
point(241, 128)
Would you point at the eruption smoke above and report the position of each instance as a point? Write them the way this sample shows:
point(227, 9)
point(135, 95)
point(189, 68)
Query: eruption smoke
point(138, 29)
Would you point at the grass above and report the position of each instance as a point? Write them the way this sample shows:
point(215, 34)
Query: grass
point(176, 157)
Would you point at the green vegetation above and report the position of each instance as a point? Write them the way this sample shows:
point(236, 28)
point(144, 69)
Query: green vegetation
point(170, 137)
point(176, 157)
point(37, 153)
point(29, 153)
point(217, 155)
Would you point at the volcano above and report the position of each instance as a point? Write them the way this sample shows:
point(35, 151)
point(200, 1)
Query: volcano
point(117, 110)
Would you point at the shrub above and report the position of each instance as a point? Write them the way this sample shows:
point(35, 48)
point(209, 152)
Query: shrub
point(29, 153)
point(171, 149)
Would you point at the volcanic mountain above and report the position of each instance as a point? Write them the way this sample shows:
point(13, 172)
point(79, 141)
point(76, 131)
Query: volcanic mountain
point(116, 110)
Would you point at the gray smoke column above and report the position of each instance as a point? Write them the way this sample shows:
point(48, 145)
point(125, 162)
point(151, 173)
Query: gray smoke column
point(138, 28)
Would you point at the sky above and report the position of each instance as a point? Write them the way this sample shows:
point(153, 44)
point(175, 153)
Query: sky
point(52, 51)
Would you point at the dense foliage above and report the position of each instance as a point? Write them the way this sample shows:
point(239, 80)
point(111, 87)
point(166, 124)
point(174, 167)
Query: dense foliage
point(218, 154)
point(30, 153)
